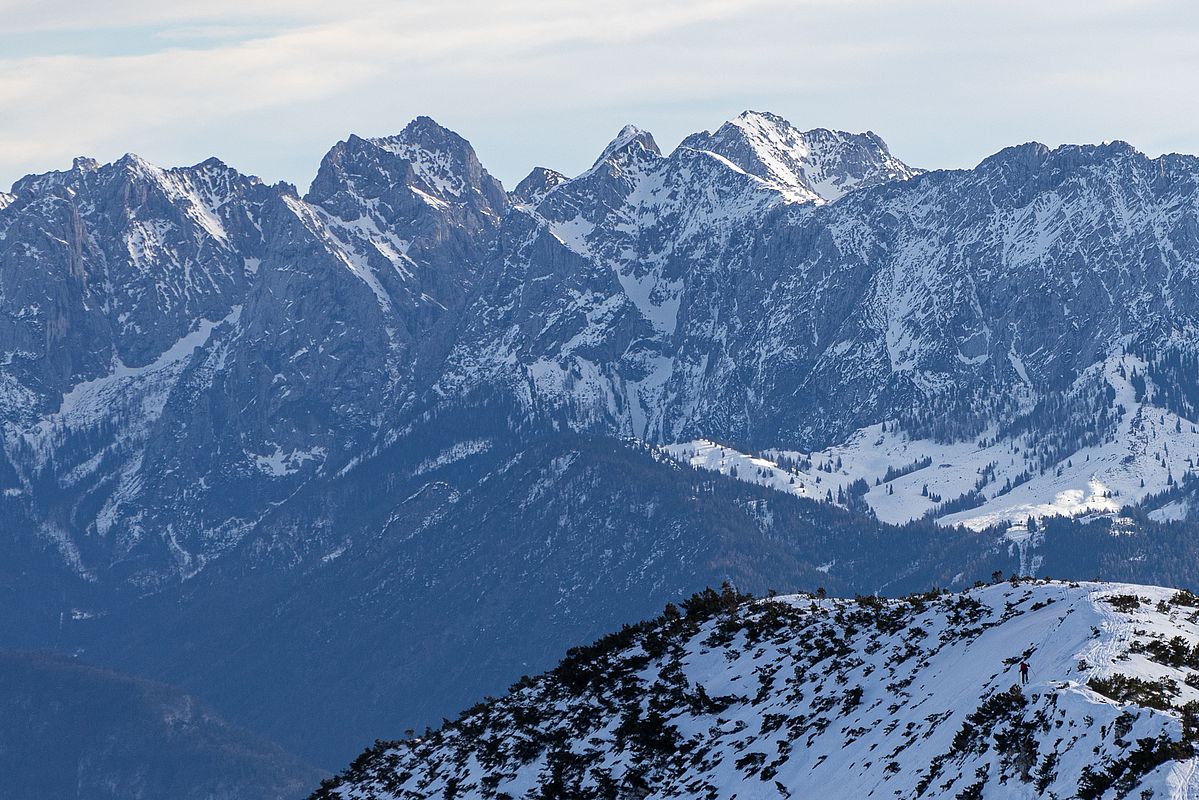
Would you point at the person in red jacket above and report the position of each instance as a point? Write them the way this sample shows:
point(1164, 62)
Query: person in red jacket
point(1023, 672)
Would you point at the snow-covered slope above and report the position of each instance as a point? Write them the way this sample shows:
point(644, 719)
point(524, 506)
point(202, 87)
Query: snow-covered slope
point(805, 697)
point(1000, 478)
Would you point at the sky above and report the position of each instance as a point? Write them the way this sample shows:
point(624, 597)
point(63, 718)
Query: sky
point(269, 85)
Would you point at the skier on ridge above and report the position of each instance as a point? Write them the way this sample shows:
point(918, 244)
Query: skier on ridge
point(1023, 673)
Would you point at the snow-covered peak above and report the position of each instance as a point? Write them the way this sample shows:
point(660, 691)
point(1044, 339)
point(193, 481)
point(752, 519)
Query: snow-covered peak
point(440, 159)
point(213, 167)
point(630, 142)
point(763, 126)
point(145, 190)
point(425, 133)
point(39, 183)
point(537, 184)
point(817, 165)
point(212, 184)
point(802, 696)
point(136, 165)
point(425, 160)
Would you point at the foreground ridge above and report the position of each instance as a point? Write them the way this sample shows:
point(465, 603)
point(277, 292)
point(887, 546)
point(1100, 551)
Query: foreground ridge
point(801, 696)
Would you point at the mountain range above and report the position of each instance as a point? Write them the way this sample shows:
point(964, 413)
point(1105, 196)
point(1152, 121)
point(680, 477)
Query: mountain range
point(453, 429)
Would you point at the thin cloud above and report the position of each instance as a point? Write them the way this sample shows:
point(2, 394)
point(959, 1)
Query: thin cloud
point(271, 84)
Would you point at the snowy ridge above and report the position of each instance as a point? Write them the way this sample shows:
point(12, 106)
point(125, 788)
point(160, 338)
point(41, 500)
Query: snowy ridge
point(194, 189)
point(806, 166)
point(452, 455)
point(804, 697)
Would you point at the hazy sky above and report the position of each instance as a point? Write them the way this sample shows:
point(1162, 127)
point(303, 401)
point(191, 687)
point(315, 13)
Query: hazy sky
point(270, 85)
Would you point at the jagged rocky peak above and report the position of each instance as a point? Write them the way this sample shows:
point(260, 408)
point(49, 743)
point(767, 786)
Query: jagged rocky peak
point(42, 182)
point(174, 182)
point(428, 160)
point(84, 164)
point(631, 145)
point(151, 219)
point(134, 256)
point(131, 179)
point(803, 696)
point(1111, 175)
point(217, 176)
point(537, 184)
point(136, 165)
point(1024, 161)
point(607, 184)
point(817, 165)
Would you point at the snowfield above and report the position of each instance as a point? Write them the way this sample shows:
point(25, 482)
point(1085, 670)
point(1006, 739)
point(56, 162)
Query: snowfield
point(1150, 449)
point(805, 697)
